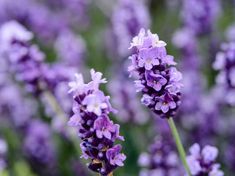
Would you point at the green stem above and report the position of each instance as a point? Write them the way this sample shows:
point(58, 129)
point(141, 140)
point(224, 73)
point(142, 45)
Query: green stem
point(60, 113)
point(179, 144)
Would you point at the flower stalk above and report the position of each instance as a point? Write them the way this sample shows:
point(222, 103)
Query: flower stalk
point(179, 144)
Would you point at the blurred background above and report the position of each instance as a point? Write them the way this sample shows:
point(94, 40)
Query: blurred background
point(69, 36)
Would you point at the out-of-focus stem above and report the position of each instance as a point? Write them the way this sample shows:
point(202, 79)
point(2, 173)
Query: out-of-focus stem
point(179, 145)
point(50, 98)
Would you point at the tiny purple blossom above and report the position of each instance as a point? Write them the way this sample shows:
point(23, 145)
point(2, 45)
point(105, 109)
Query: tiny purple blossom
point(77, 85)
point(95, 102)
point(148, 58)
point(146, 99)
point(104, 127)
point(96, 79)
point(74, 120)
point(114, 156)
point(165, 103)
point(155, 80)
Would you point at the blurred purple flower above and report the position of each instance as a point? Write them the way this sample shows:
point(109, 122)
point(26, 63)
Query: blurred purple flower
point(126, 101)
point(224, 63)
point(38, 145)
point(161, 160)
point(230, 33)
point(74, 12)
point(25, 60)
point(200, 15)
point(202, 162)
point(127, 19)
point(24, 108)
point(70, 49)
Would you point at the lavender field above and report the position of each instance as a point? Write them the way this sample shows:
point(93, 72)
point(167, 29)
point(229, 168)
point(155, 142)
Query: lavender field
point(117, 87)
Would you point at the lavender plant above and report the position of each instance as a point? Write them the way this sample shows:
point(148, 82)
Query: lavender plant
point(200, 15)
point(224, 63)
point(25, 60)
point(97, 132)
point(157, 79)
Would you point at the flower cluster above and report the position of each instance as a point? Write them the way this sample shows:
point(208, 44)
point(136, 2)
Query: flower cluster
point(161, 160)
point(127, 19)
point(225, 64)
point(68, 41)
point(62, 14)
point(126, 101)
point(25, 59)
point(38, 145)
point(157, 78)
point(97, 132)
point(24, 108)
point(200, 15)
point(202, 162)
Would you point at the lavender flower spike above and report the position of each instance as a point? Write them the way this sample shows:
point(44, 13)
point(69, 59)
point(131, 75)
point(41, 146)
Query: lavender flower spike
point(225, 64)
point(202, 162)
point(97, 132)
point(158, 79)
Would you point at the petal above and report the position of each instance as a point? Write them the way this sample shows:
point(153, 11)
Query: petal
point(195, 150)
point(165, 108)
point(172, 105)
point(155, 62)
point(160, 43)
point(99, 134)
point(148, 66)
point(158, 105)
point(119, 163)
point(157, 86)
point(107, 134)
point(74, 120)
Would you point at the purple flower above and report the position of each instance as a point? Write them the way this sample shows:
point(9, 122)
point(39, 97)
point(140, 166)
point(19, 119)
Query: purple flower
point(165, 103)
point(127, 19)
point(104, 127)
point(114, 156)
point(97, 132)
point(156, 77)
point(225, 64)
point(26, 61)
point(38, 144)
point(202, 162)
point(200, 15)
point(148, 58)
point(161, 159)
point(230, 33)
point(70, 48)
point(156, 81)
point(23, 107)
point(95, 103)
